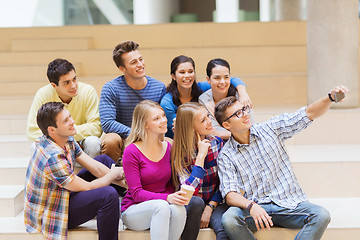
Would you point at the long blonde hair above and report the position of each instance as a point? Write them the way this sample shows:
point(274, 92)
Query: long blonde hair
point(141, 115)
point(184, 144)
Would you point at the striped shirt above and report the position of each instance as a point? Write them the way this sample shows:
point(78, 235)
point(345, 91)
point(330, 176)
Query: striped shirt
point(261, 170)
point(205, 179)
point(118, 100)
point(46, 199)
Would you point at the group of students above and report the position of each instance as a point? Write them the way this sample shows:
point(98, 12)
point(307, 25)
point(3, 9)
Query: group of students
point(241, 186)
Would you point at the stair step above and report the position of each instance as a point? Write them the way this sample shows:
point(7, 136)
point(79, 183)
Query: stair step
point(13, 124)
point(14, 146)
point(322, 170)
point(336, 126)
point(344, 213)
point(50, 44)
point(18, 72)
point(293, 86)
point(321, 131)
point(16, 105)
point(11, 200)
point(252, 59)
point(28, 72)
point(13, 170)
point(327, 170)
point(26, 87)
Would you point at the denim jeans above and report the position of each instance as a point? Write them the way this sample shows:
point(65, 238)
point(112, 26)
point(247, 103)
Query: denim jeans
point(215, 221)
point(310, 218)
point(194, 212)
point(166, 221)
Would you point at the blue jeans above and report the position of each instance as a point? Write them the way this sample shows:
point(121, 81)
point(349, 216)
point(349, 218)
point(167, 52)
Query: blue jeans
point(194, 211)
point(310, 218)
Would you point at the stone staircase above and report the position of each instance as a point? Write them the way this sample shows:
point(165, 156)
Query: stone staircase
point(325, 157)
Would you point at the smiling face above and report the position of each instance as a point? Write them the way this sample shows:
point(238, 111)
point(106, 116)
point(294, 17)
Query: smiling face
point(67, 87)
point(219, 80)
point(235, 124)
point(202, 122)
point(157, 121)
point(184, 75)
point(134, 65)
point(65, 126)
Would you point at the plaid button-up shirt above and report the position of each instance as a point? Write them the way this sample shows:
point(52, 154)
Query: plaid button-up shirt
point(206, 180)
point(261, 170)
point(46, 199)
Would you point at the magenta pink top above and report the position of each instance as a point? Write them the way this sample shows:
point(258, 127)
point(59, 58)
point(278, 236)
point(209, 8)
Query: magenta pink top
point(147, 180)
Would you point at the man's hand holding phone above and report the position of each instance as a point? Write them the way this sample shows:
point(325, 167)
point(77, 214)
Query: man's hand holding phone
point(338, 94)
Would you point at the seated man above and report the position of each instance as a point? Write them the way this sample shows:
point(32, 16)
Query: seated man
point(55, 197)
point(79, 98)
point(120, 96)
point(256, 176)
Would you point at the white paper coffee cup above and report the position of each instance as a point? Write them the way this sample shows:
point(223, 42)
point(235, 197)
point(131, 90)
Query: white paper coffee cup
point(189, 191)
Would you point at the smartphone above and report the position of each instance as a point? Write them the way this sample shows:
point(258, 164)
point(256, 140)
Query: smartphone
point(339, 96)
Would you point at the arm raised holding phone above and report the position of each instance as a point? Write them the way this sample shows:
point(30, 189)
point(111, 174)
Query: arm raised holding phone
point(320, 107)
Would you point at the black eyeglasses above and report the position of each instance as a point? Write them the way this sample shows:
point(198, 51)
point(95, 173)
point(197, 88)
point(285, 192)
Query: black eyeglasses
point(239, 113)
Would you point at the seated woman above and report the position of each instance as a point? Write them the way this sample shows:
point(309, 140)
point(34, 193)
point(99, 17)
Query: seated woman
point(194, 162)
point(150, 201)
point(218, 76)
point(183, 88)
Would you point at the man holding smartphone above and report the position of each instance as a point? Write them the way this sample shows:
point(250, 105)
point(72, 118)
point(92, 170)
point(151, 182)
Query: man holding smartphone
point(256, 177)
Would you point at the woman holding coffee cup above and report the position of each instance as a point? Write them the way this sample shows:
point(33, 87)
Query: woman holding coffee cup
point(150, 201)
point(194, 163)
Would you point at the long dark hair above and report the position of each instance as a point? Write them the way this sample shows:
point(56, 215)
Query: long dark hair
point(172, 87)
point(220, 62)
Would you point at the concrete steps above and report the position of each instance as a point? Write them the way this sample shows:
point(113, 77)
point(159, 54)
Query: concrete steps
point(244, 60)
point(106, 36)
point(11, 200)
point(323, 171)
point(325, 156)
point(337, 126)
point(327, 171)
point(14, 146)
point(344, 212)
point(12, 124)
point(293, 87)
point(13, 170)
point(50, 44)
point(27, 72)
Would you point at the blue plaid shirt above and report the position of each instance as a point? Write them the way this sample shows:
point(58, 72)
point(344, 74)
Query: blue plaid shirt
point(261, 170)
point(46, 199)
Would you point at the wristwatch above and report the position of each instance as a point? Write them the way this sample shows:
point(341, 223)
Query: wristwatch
point(331, 99)
point(212, 206)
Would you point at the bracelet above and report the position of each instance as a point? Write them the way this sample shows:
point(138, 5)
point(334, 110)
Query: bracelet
point(331, 99)
point(212, 206)
point(248, 208)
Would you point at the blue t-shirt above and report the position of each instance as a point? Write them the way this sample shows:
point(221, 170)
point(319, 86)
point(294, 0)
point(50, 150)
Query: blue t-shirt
point(118, 100)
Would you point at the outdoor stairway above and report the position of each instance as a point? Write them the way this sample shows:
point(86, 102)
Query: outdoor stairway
point(269, 57)
point(327, 172)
